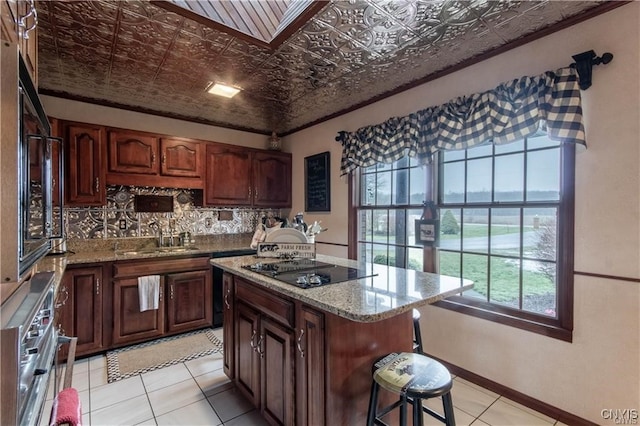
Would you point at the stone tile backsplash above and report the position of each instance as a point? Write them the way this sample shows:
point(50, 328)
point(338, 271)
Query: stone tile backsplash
point(118, 219)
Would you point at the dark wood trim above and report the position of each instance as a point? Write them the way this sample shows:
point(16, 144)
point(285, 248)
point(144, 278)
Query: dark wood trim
point(333, 244)
point(591, 13)
point(297, 23)
point(65, 95)
point(462, 305)
point(566, 237)
point(514, 395)
point(352, 215)
point(607, 277)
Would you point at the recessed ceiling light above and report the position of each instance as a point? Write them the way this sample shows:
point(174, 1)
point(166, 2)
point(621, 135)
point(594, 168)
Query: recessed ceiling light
point(223, 90)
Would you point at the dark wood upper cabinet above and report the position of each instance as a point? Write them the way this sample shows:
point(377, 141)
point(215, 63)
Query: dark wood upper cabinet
point(271, 179)
point(138, 158)
point(228, 176)
point(133, 153)
point(180, 158)
point(237, 176)
point(84, 163)
point(11, 12)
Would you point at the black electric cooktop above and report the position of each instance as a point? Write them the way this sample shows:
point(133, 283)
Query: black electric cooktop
point(307, 273)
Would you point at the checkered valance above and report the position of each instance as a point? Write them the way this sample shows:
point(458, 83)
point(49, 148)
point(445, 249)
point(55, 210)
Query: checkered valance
point(512, 111)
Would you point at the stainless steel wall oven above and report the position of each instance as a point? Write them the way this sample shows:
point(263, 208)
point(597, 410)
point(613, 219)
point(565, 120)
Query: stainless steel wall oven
point(29, 344)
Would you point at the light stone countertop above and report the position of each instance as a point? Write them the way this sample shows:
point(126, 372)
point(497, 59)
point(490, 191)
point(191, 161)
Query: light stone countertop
point(391, 292)
point(110, 250)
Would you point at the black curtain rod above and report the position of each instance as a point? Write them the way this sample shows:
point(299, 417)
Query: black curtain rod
point(584, 63)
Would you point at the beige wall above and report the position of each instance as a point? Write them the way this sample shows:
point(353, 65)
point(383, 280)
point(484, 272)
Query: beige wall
point(601, 367)
point(106, 116)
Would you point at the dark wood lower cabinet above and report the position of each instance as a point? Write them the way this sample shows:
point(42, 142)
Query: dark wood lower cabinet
point(247, 363)
point(189, 301)
point(81, 313)
point(310, 354)
point(228, 337)
point(313, 368)
point(99, 303)
point(129, 324)
point(186, 299)
point(276, 372)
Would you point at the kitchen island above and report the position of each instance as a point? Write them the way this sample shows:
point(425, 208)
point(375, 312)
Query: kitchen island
point(304, 356)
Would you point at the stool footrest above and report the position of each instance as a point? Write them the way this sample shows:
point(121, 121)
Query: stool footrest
point(429, 411)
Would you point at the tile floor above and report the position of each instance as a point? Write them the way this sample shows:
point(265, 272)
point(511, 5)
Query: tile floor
point(198, 393)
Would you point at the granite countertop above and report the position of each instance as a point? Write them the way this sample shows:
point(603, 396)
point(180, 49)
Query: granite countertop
point(391, 292)
point(109, 250)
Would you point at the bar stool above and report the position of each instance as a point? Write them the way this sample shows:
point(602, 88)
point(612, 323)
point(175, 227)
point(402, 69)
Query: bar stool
point(417, 336)
point(413, 377)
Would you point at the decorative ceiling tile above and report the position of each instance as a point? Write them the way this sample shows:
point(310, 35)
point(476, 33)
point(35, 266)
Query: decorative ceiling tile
point(142, 56)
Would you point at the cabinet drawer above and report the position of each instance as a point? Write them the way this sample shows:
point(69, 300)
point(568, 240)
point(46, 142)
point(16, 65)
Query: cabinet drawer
point(158, 266)
point(269, 304)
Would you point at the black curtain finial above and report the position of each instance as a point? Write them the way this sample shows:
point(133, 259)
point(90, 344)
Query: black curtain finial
point(584, 64)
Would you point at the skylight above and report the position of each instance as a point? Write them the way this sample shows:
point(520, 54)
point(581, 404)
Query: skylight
point(261, 20)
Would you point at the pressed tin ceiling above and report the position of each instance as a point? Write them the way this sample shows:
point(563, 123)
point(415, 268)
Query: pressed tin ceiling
point(335, 56)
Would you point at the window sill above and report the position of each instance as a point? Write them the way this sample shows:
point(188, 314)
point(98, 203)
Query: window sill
point(463, 305)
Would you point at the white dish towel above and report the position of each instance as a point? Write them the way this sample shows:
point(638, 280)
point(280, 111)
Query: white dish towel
point(149, 292)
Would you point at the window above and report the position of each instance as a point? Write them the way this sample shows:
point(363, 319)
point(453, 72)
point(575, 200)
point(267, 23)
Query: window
point(506, 222)
point(390, 199)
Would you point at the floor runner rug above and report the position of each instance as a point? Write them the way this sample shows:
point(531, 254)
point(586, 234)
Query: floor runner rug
point(141, 358)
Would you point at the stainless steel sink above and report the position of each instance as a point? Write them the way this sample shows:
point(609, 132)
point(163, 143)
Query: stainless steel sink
point(176, 249)
point(154, 250)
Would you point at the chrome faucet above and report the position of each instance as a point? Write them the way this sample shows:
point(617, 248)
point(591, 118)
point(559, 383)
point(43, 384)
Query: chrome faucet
point(158, 231)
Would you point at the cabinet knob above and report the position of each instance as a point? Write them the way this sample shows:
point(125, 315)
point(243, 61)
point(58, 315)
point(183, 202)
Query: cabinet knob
point(153, 159)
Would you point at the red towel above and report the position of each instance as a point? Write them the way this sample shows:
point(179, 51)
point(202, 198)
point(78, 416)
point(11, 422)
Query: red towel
point(66, 408)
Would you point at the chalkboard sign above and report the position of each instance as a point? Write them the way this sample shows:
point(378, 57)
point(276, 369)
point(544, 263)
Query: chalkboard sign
point(317, 183)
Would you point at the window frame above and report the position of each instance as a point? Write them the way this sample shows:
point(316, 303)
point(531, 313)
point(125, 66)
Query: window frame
point(560, 327)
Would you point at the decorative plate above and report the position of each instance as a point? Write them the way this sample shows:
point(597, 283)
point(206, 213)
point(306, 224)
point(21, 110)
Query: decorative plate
point(286, 235)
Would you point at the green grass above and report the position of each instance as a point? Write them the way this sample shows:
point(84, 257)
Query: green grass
point(504, 276)
point(472, 230)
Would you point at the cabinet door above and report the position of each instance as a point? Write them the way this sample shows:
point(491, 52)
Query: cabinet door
point(228, 176)
point(180, 158)
point(131, 152)
point(272, 179)
point(28, 40)
point(247, 361)
point(56, 163)
point(129, 324)
point(82, 316)
point(8, 17)
point(228, 341)
point(277, 378)
point(85, 165)
point(310, 367)
point(189, 301)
